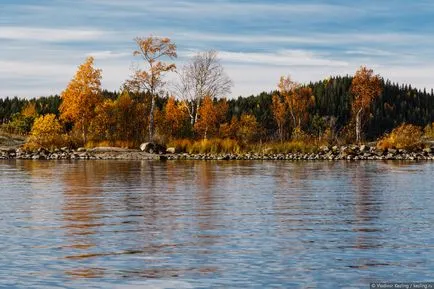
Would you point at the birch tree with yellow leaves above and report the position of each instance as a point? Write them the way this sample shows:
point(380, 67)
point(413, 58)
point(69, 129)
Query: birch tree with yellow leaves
point(81, 97)
point(150, 79)
point(365, 87)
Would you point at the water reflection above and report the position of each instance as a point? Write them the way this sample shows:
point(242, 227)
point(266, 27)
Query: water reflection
point(215, 224)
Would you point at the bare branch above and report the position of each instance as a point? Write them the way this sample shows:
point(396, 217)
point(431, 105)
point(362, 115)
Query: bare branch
point(202, 76)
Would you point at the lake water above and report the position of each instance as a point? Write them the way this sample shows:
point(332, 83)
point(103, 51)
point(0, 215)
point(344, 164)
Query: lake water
point(251, 224)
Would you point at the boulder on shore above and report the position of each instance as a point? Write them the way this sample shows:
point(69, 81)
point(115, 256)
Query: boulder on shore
point(171, 150)
point(153, 148)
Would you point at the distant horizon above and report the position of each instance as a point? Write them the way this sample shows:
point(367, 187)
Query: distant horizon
point(43, 43)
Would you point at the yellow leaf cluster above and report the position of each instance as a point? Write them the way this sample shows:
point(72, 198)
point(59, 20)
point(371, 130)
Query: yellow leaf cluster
point(82, 94)
point(211, 115)
point(248, 128)
point(46, 131)
point(406, 136)
point(29, 110)
point(278, 108)
point(298, 100)
point(365, 87)
point(175, 116)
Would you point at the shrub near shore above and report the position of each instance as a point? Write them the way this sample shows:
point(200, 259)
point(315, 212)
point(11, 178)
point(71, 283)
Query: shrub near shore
point(406, 136)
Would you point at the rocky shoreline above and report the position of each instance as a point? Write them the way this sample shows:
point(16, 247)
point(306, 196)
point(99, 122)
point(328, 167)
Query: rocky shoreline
point(350, 153)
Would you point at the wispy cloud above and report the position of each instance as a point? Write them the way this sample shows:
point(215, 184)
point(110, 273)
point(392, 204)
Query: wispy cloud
point(49, 34)
point(281, 58)
point(43, 42)
point(311, 38)
point(220, 8)
point(370, 52)
point(107, 54)
point(34, 68)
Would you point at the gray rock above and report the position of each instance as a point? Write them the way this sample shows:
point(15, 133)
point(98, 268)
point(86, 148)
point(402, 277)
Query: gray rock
point(37, 157)
point(83, 155)
point(354, 148)
point(324, 148)
point(379, 152)
point(171, 150)
point(153, 148)
point(147, 147)
point(364, 148)
point(391, 151)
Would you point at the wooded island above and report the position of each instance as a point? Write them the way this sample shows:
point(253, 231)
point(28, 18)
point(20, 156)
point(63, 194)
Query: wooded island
point(192, 114)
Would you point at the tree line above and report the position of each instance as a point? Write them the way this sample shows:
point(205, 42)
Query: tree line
point(147, 108)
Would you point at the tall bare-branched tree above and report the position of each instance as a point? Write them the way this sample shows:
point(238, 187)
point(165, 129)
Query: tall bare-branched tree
point(203, 76)
point(150, 80)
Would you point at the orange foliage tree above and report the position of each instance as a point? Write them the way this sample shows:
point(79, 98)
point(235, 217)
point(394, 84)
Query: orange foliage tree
point(150, 80)
point(29, 110)
point(81, 97)
point(287, 89)
point(248, 128)
point(365, 87)
point(105, 122)
point(229, 129)
point(210, 116)
point(304, 100)
point(130, 121)
point(120, 121)
point(278, 108)
point(298, 99)
point(175, 117)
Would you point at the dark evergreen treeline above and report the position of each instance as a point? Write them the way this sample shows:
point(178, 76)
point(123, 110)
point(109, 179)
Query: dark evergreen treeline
point(397, 104)
point(10, 107)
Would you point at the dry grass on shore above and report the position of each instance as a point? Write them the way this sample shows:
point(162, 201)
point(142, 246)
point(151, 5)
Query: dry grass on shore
point(11, 140)
point(217, 145)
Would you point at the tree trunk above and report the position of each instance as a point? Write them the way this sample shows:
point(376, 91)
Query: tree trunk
point(293, 117)
point(358, 126)
point(84, 133)
point(196, 111)
point(281, 133)
point(192, 115)
point(151, 120)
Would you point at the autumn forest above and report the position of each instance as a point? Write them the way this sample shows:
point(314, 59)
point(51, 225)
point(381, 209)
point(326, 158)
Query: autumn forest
point(191, 111)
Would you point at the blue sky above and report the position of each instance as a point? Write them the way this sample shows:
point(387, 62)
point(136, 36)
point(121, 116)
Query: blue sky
point(42, 42)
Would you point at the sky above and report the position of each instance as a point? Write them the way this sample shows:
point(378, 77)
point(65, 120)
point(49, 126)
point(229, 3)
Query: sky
point(42, 42)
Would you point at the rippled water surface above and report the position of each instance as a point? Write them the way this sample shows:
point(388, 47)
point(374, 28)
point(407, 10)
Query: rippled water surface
point(114, 224)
